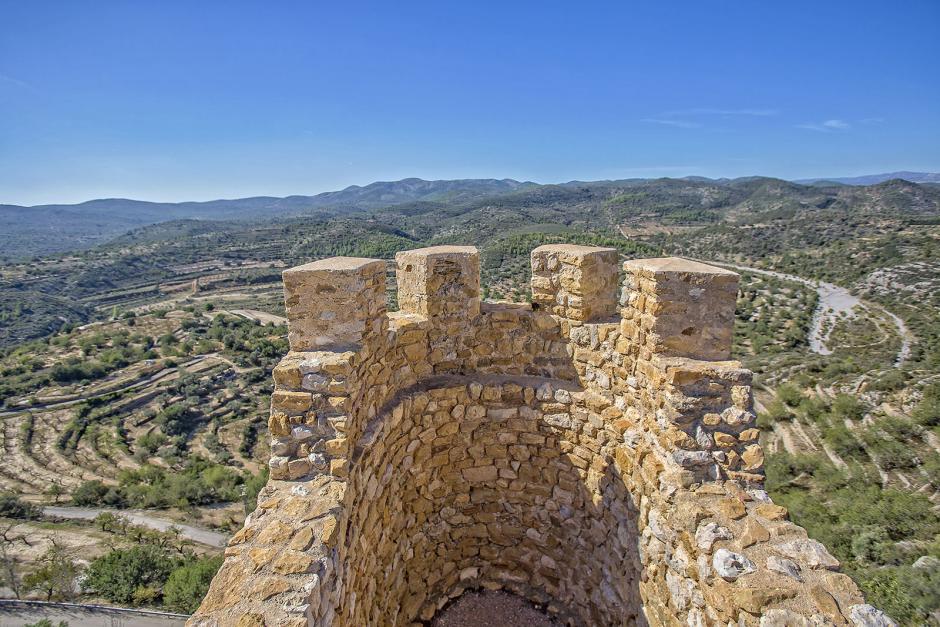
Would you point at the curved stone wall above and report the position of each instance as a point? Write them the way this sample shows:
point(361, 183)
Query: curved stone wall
point(493, 481)
point(592, 453)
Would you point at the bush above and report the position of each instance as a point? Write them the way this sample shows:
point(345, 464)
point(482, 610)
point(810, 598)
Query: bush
point(129, 576)
point(891, 454)
point(188, 584)
point(927, 412)
point(906, 594)
point(776, 412)
point(252, 488)
point(199, 482)
point(152, 441)
point(890, 381)
point(843, 442)
point(95, 493)
point(845, 406)
point(12, 506)
point(932, 468)
point(789, 394)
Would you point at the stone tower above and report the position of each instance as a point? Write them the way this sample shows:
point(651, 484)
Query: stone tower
point(594, 451)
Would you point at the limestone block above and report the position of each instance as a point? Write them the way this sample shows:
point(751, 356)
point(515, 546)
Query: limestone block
point(439, 282)
point(576, 282)
point(690, 306)
point(333, 304)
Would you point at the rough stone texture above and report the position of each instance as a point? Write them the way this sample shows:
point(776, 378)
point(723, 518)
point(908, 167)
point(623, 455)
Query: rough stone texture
point(686, 308)
point(333, 303)
point(603, 468)
point(439, 282)
point(577, 282)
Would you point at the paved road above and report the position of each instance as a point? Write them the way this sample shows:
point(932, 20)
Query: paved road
point(833, 301)
point(144, 519)
point(17, 613)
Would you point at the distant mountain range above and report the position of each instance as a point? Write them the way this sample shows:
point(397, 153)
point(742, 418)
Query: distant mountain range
point(874, 179)
point(45, 229)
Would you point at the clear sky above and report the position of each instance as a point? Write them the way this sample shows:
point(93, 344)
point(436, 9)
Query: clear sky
point(193, 100)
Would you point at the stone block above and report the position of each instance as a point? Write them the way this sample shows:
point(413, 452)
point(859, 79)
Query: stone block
point(690, 306)
point(333, 304)
point(439, 282)
point(576, 282)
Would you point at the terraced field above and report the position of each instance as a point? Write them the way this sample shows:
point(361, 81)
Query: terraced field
point(63, 428)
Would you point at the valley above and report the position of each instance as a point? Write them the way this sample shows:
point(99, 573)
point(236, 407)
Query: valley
point(136, 374)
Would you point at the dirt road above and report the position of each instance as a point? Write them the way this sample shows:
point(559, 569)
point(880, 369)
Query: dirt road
point(834, 301)
point(144, 519)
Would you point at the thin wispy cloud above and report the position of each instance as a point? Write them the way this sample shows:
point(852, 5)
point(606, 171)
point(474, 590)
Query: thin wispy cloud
point(673, 123)
point(696, 117)
point(9, 80)
point(760, 113)
point(828, 126)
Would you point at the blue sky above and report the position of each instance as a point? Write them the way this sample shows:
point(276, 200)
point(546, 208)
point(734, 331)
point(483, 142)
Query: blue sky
point(182, 100)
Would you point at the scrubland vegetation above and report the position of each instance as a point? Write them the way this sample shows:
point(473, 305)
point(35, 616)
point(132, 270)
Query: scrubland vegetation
point(124, 385)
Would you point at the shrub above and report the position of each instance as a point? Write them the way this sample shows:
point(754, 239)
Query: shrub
point(927, 412)
point(188, 584)
point(12, 506)
point(252, 488)
point(128, 576)
point(150, 442)
point(845, 406)
point(843, 442)
point(789, 394)
point(892, 454)
point(776, 412)
point(95, 493)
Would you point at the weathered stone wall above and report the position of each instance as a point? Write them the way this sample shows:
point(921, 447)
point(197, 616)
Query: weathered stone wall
point(596, 456)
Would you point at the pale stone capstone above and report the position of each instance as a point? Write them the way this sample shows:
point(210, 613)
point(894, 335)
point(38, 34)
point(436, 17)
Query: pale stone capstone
point(598, 458)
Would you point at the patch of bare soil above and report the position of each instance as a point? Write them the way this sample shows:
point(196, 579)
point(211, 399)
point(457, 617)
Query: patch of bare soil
point(492, 609)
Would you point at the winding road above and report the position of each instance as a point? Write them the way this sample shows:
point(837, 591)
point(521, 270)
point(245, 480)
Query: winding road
point(833, 302)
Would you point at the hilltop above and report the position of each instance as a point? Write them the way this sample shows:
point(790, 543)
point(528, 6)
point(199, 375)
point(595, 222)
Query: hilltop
point(49, 229)
point(873, 179)
point(44, 229)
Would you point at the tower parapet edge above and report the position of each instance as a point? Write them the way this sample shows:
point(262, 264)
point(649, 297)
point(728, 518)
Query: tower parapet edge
point(680, 308)
point(594, 452)
point(333, 304)
point(575, 282)
point(440, 282)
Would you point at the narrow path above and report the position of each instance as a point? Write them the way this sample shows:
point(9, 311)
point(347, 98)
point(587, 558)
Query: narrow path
point(142, 518)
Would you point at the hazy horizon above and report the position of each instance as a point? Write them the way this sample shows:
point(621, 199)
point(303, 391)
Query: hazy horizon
point(336, 189)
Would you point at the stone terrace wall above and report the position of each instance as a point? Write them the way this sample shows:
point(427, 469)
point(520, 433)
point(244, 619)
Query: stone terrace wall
point(594, 454)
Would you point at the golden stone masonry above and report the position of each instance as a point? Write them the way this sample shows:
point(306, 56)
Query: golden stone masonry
point(594, 452)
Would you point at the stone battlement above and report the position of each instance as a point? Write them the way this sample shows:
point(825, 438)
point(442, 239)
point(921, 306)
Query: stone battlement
point(594, 451)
